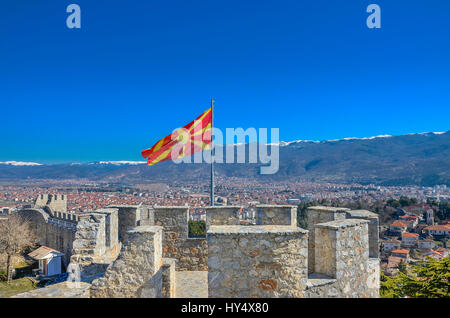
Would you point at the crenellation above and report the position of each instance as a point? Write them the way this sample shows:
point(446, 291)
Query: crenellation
point(257, 261)
point(135, 251)
point(320, 214)
point(191, 254)
point(276, 215)
point(222, 215)
point(137, 270)
point(374, 246)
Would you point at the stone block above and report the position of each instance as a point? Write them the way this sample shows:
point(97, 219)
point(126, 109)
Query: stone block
point(276, 215)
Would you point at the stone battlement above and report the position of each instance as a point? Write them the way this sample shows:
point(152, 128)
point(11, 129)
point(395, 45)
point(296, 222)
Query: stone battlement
point(57, 202)
point(336, 256)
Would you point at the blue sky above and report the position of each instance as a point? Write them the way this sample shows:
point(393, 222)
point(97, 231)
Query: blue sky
point(138, 69)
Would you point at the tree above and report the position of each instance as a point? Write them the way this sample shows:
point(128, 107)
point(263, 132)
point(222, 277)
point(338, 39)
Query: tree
point(427, 279)
point(197, 228)
point(302, 214)
point(15, 237)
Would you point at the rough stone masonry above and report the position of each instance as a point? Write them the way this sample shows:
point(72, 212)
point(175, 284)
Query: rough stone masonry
point(137, 251)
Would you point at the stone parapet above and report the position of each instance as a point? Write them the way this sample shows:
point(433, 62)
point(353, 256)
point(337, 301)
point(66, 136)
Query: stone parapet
point(136, 272)
point(276, 215)
point(374, 245)
point(257, 261)
point(342, 253)
point(168, 277)
point(222, 215)
point(320, 214)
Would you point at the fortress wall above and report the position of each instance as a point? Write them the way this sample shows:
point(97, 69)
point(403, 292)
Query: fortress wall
point(111, 227)
point(373, 278)
point(342, 253)
point(320, 214)
point(222, 215)
point(257, 261)
point(168, 277)
point(41, 201)
point(190, 253)
point(276, 215)
point(147, 215)
point(61, 239)
point(137, 270)
point(95, 245)
point(374, 246)
point(56, 233)
point(90, 238)
point(129, 217)
point(58, 202)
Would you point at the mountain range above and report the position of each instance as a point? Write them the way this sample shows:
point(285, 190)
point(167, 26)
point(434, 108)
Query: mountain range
point(413, 159)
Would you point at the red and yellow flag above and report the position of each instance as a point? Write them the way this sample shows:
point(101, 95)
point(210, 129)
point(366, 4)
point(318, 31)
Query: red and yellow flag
point(185, 141)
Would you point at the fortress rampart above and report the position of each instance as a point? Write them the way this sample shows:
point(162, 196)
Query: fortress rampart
point(280, 260)
point(190, 253)
point(135, 251)
point(57, 202)
point(54, 229)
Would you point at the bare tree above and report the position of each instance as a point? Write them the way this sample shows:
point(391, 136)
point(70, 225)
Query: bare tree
point(15, 236)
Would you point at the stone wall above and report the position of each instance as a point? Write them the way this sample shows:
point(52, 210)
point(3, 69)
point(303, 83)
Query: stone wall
point(95, 245)
point(373, 277)
point(276, 215)
point(243, 261)
point(190, 253)
point(137, 270)
point(129, 216)
point(56, 230)
point(320, 214)
point(168, 277)
point(222, 215)
point(342, 253)
point(374, 246)
point(257, 261)
point(57, 202)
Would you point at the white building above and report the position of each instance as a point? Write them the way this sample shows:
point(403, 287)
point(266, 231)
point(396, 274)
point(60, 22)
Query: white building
point(49, 260)
point(441, 230)
point(426, 244)
point(409, 239)
point(390, 245)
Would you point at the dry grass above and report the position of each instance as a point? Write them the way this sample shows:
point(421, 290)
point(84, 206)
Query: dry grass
point(16, 286)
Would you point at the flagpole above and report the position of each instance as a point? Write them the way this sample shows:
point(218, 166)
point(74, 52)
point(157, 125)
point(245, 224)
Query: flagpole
point(212, 152)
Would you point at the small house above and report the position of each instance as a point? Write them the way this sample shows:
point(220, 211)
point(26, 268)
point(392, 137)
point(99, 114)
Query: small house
point(398, 227)
point(409, 239)
point(50, 260)
point(390, 245)
point(425, 244)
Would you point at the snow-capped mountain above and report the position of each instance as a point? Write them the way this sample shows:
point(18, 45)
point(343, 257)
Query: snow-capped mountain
point(19, 163)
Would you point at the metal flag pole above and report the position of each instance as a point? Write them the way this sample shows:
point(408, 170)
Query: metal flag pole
point(212, 152)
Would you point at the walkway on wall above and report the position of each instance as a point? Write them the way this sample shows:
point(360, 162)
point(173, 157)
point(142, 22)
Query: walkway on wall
point(191, 284)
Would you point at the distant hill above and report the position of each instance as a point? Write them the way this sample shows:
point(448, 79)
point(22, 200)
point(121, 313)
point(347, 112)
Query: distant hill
point(415, 159)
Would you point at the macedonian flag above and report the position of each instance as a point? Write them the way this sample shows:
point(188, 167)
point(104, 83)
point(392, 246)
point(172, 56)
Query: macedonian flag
point(185, 141)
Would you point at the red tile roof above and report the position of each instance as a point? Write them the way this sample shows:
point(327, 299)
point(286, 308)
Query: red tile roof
point(410, 235)
point(444, 227)
point(42, 252)
point(398, 224)
point(401, 251)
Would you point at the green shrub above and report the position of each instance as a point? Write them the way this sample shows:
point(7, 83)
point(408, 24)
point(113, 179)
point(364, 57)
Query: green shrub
point(197, 228)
